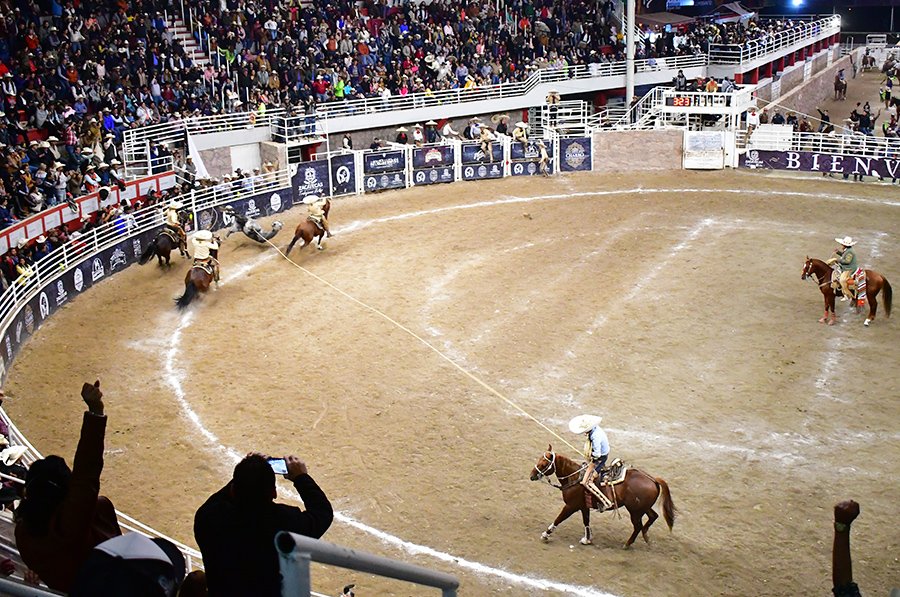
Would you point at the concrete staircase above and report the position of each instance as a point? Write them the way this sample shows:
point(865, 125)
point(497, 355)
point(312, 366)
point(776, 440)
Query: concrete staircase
point(182, 34)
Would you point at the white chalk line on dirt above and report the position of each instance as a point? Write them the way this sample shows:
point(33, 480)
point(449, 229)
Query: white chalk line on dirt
point(172, 378)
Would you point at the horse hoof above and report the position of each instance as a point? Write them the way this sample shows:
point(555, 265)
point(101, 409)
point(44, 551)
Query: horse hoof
point(626, 546)
point(867, 322)
point(831, 322)
point(545, 537)
point(822, 320)
point(584, 541)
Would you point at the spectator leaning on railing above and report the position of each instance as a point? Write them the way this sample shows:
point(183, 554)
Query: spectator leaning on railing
point(63, 515)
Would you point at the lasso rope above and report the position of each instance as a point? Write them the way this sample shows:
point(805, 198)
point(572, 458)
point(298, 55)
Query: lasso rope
point(387, 317)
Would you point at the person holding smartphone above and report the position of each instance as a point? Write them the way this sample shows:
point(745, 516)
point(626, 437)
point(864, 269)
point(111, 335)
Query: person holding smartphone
point(235, 528)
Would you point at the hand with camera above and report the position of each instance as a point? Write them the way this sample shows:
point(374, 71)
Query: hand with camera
point(295, 467)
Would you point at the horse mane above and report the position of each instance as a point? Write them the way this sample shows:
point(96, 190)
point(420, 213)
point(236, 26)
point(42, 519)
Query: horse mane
point(569, 463)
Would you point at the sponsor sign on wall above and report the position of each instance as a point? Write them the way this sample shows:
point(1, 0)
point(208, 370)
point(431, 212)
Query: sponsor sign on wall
point(575, 154)
point(526, 151)
point(704, 150)
point(343, 175)
point(433, 176)
point(805, 161)
point(255, 206)
point(434, 156)
point(529, 168)
point(388, 180)
point(482, 171)
point(383, 161)
point(472, 154)
point(311, 178)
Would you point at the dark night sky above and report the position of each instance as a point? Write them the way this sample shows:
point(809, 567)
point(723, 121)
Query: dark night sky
point(855, 16)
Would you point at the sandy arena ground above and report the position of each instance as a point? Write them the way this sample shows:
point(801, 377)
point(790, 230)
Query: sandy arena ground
point(676, 312)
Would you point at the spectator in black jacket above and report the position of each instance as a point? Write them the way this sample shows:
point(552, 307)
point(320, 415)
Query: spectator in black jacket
point(235, 529)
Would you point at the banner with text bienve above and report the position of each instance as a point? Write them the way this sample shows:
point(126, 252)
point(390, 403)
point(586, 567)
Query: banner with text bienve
point(805, 161)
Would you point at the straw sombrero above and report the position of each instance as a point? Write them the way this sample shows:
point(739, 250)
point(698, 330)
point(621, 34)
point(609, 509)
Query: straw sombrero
point(498, 117)
point(175, 205)
point(583, 423)
point(846, 241)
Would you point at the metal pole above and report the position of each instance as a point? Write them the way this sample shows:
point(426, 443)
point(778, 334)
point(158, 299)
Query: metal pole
point(629, 51)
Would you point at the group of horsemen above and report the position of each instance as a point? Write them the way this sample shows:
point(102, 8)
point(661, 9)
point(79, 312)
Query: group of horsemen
point(206, 246)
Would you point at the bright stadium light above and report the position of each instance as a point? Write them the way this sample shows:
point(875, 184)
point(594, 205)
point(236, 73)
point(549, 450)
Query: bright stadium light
point(796, 3)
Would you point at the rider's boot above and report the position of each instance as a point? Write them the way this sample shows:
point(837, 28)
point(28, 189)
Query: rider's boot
point(327, 228)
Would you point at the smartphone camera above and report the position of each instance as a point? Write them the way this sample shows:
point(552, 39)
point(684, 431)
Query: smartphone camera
point(278, 465)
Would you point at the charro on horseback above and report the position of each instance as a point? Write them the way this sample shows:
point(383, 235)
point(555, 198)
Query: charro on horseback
point(316, 212)
point(173, 227)
point(204, 246)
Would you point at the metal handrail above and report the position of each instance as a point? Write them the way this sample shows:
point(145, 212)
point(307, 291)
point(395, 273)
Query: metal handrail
point(849, 145)
point(759, 48)
point(295, 552)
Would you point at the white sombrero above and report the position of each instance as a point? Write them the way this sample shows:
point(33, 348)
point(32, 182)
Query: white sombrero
point(309, 200)
point(175, 205)
point(203, 235)
point(583, 423)
point(522, 125)
point(846, 241)
point(12, 454)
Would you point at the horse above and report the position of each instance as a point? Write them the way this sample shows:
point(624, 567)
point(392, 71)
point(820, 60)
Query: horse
point(197, 280)
point(638, 492)
point(164, 243)
point(840, 88)
point(309, 231)
point(875, 283)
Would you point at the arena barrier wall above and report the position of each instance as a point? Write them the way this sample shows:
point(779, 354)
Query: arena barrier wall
point(638, 150)
point(807, 161)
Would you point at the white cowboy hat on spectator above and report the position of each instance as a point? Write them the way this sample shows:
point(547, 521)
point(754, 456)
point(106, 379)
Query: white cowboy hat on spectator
point(89, 168)
point(431, 123)
point(41, 239)
point(417, 126)
point(44, 145)
point(22, 242)
point(87, 151)
point(12, 454)
point(175, 205)
point(521, 125)
point(402, 129)
point(237, 103)
point(846, 241)
point(32, 143)
point(58, 165)
point(103, 165)
point(498, 117)
point(85, 219)
point(584, 423)
point(115, 162)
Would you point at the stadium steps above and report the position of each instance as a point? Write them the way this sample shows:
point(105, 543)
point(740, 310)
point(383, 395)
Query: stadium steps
point(182, 34)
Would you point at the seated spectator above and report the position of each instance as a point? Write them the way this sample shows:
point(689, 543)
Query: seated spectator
point(235, 529)
point(63, 516)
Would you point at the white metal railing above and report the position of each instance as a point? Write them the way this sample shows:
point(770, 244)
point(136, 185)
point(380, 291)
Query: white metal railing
point(782, 40)
point(431, 99)
point(876, 41)
point(848, 145)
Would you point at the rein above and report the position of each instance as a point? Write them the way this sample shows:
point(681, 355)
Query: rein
point(551, 468)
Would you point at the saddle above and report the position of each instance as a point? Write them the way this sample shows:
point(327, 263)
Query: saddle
point(206, 266)
point(317, 222)
point(170, 234)
point(612, 474)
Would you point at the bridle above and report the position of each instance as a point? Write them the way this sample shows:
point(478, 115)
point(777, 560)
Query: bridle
point(550, 469)
point(808, 273)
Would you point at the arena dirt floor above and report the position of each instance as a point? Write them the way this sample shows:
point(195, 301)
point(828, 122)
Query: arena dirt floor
point(673, 307)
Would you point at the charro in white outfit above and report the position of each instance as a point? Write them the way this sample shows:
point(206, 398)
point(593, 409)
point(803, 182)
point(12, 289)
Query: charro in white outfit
point(173, 223)
point(204, 243)
point(316, 212)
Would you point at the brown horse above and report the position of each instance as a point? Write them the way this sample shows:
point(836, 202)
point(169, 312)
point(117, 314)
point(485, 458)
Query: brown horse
point(197, 280)
point(309, 231)
point(819, 270)
point(638, 492)
point(840, 88)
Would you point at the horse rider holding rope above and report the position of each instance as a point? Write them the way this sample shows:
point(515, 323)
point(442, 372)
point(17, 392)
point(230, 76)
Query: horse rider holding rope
point(596, 451)
point(316, 215)
point(845, 257)
point(173, 224)
point(204, 242)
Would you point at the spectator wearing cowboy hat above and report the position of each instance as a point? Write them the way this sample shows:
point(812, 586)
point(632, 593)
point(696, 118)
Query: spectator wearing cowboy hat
point(431, 134)
point(520, 133)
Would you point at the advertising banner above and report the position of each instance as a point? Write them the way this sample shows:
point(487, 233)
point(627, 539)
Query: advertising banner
point(311, 178)
point(472, 154)
point(343, 175)
point(254, 206)
point(575, 154)
point(704, 150)
point(380, 182)
point(433, 175)
point(529, 168)
point(383, 161)
point(805, 161)
point(482, 171)
point(526, 151)
point(429, 157)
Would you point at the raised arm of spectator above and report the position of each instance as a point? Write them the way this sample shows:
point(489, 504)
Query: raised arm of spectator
point(84, 485)
point(842, 569)
point(315, 520)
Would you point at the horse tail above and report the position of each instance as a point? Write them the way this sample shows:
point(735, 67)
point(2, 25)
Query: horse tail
point(148, 253)
point(190, 291)
point(669, 510)
point(887, 297)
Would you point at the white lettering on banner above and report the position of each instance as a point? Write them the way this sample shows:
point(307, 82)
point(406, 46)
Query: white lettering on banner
point(518, 169)
point(866, 166)
point(371, 182)
point(136, 245)
point(434, 155)
point(44, 304)
point(61, 294)
point(792, 160)
point(275, 202)
point(575, 155)
point(891, 166)
point(252, 210)
point(311, 184)
point(837, 163)
point(342, 175)
point(753, 160)
point(8, 348)
point(420, 176)
point(385, 163)
point(470, 171)
point(227, 219)
point(18, 332)
point(116, 259)
point(815, 163)
point(78, 278)
point(97, 270)
point(29, 319)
